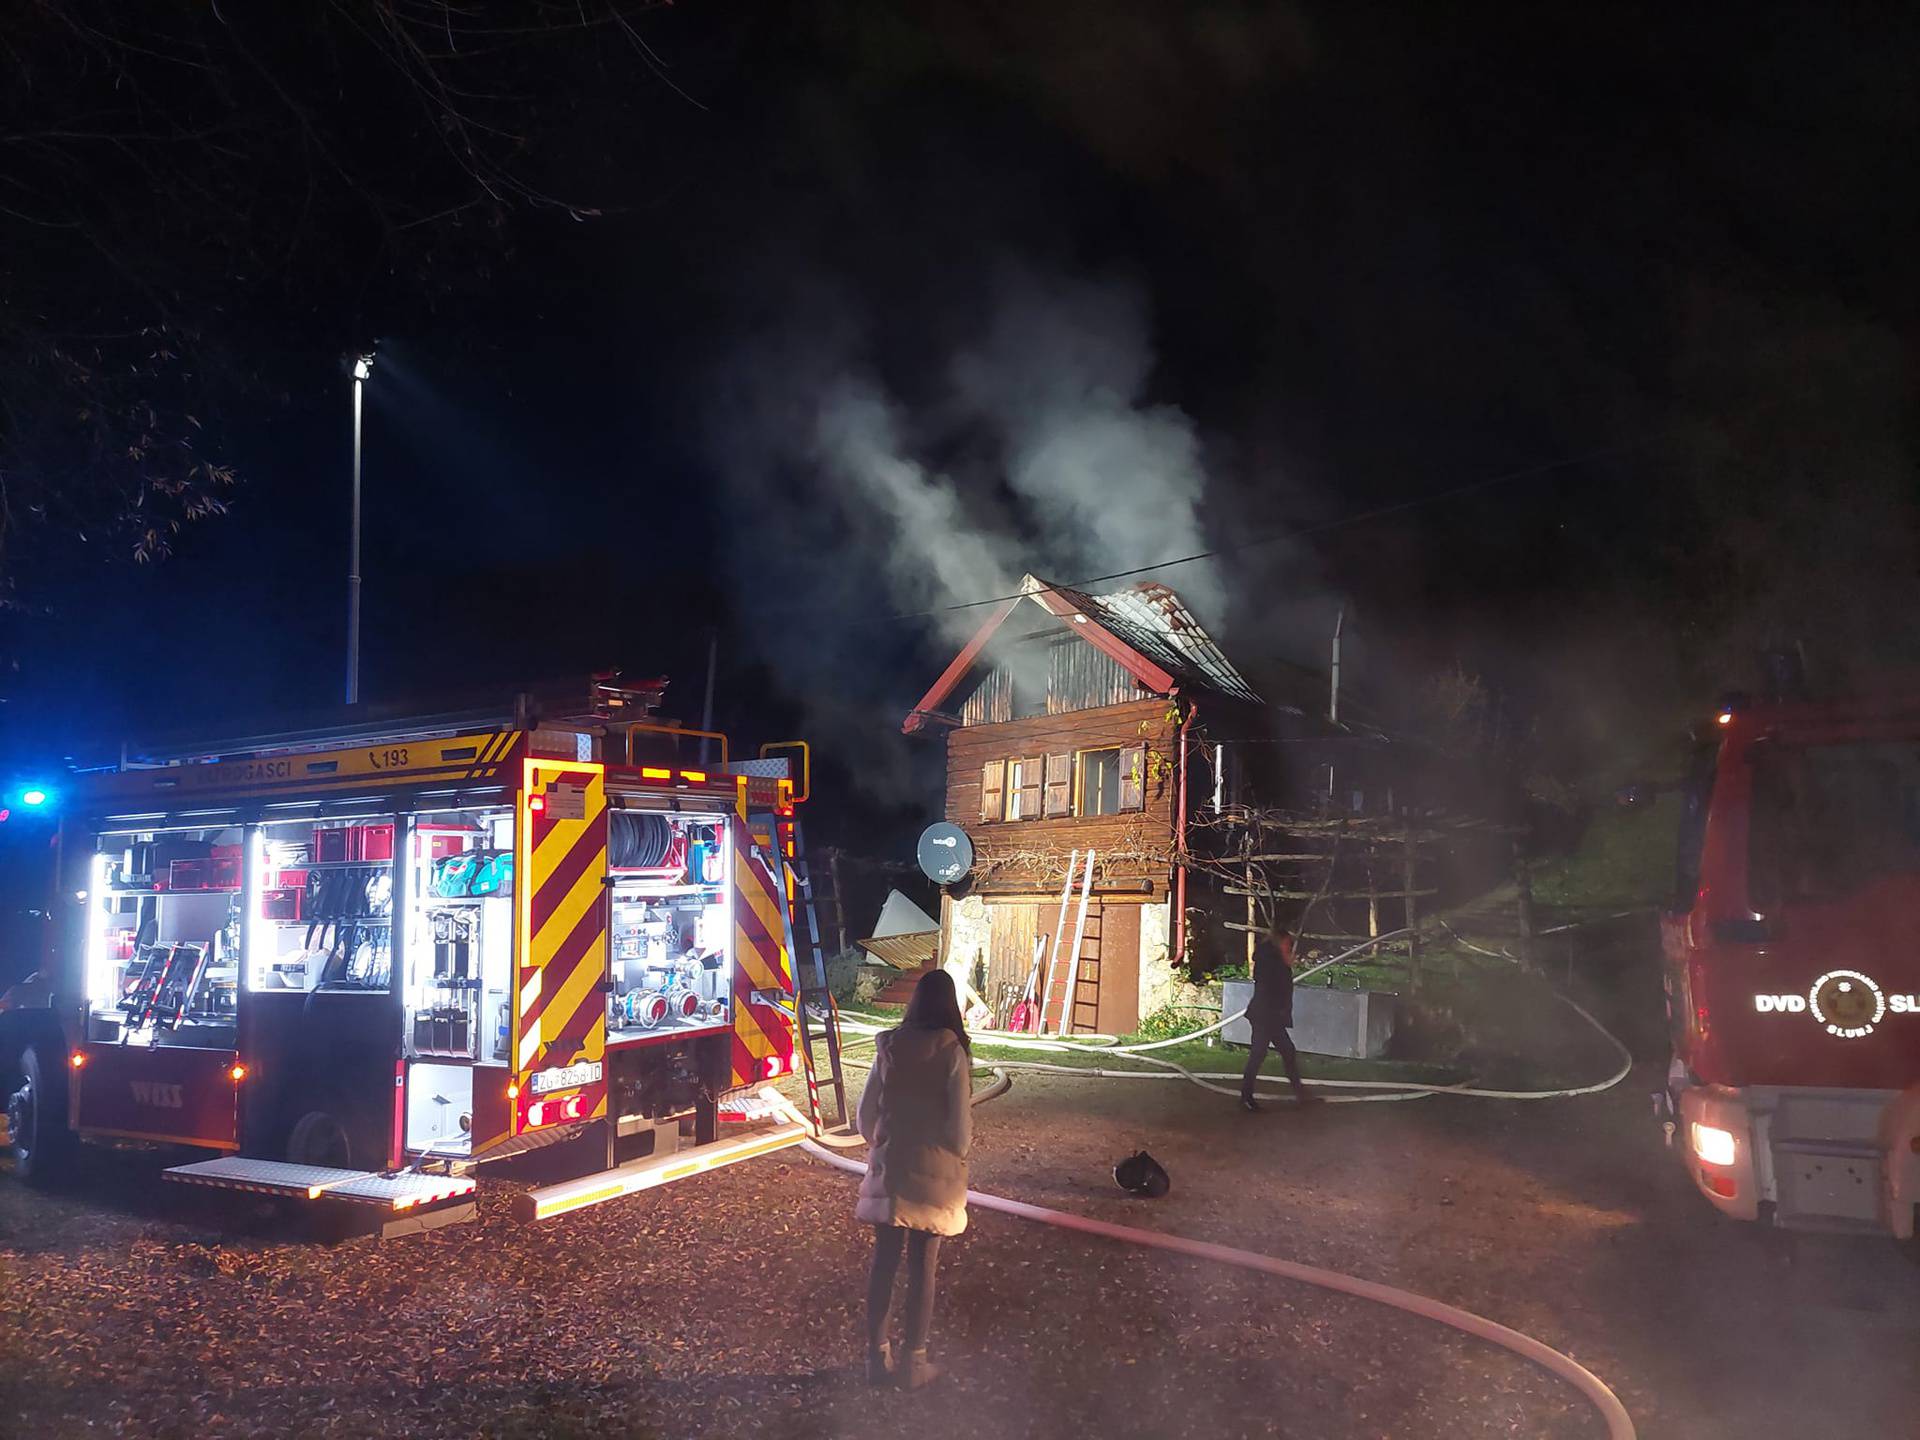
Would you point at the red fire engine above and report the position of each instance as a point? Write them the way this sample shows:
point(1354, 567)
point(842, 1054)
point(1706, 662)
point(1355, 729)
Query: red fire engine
point(359, 962)
point(1793, 979)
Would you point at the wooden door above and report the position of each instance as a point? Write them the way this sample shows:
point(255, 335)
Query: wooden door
point(1012, 928)
point(1119, 1001)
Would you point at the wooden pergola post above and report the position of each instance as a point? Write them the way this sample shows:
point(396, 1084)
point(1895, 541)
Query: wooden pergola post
point(1523, 884)
point(1410, 874)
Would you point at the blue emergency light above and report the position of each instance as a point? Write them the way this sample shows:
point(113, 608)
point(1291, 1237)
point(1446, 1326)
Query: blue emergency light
point(32, 799)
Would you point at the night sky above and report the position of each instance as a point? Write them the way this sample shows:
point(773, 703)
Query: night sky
point(1660, 261)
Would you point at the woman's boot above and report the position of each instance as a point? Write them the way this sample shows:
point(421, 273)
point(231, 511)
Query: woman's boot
point(879, 1364)
point(916, 1370)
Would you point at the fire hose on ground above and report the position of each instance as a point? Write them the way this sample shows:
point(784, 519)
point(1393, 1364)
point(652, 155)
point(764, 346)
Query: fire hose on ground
point(1389, 1090)
point(1619, 1424)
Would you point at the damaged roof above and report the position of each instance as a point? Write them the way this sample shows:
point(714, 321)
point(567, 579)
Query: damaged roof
point(1155, 621)
point(1146, 628)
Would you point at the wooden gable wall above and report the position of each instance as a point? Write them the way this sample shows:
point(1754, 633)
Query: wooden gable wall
point(1030, 856)
point(1079, 677)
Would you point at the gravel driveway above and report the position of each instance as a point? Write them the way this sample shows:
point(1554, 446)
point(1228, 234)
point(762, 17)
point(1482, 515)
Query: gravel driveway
point(728, 1305)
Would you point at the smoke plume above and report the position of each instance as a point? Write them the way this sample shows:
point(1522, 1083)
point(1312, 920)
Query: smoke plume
point(1113, 482)
point(1033, 447)
point(1024, 441)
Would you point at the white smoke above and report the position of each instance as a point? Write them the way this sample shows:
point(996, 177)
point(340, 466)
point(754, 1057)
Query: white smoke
point(1113, 483)
point(1074, 473)
point(937, 552)
point(1029, 446)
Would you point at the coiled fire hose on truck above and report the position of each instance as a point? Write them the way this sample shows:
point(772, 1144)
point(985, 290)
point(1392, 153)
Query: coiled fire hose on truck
point(1619, 1424)
point(869, 1025)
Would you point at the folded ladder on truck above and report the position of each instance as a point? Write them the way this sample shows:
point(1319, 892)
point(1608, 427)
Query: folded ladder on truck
point(405, 1200)
point(816, 1019)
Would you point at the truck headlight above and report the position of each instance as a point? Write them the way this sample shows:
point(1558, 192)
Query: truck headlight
point(1713, 1145)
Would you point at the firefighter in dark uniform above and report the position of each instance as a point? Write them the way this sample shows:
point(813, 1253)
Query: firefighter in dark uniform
point(1269, 1016)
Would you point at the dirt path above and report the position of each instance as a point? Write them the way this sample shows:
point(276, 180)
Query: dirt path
point(728, 1305)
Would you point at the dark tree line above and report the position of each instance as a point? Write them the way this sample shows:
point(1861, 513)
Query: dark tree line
point(190, 194)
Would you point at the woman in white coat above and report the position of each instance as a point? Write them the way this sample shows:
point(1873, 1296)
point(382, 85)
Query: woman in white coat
point(916, 1116)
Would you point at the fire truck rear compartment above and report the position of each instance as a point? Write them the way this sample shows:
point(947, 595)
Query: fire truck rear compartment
point(1817, 1158)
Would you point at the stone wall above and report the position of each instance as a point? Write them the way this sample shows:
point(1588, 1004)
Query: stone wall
point(1158, 982)
point(969, 935)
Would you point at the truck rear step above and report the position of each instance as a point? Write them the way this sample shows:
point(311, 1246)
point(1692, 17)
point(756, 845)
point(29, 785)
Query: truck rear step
point(638, 1175)
point(447, 1197)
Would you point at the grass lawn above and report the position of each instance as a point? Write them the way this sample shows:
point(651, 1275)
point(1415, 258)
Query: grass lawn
point(1624, 861)
point(1200, 1056)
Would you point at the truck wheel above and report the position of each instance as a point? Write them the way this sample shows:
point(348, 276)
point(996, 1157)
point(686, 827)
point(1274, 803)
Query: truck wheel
point(318, 1138)
point(36, 1118)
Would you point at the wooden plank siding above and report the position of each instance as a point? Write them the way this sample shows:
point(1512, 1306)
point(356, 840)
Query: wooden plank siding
point(1079, 677)
point(1030, 856)
point(991, 702)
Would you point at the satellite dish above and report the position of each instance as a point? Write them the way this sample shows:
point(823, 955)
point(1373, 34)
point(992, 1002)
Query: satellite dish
point(945, 853)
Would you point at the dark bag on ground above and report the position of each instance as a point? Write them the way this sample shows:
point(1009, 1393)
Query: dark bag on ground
point(1141, 1174)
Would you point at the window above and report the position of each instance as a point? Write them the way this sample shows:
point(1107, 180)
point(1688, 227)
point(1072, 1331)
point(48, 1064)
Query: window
point(1113, 782)
point(1059, 797)
point(1100, 782)
point(1694, 796)
point(1133, 778)
point(1024, 787)
point(1829, 820)
point(993, 790)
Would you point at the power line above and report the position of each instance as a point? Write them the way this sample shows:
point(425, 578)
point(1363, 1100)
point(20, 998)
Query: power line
point(1360, 517)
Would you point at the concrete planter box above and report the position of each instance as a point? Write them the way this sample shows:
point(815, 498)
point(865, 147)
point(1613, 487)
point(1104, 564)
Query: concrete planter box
point(1356, 1024)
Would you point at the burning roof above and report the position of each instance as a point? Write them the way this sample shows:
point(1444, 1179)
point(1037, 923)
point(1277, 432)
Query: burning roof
point(1154, 620)
point(1147, 628)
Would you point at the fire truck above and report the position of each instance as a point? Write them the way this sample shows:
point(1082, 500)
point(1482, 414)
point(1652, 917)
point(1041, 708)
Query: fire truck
point(1792, 972)
point(359, 962)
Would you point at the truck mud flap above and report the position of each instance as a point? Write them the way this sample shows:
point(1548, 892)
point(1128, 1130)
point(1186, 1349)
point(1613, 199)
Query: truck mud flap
point(638, 1175)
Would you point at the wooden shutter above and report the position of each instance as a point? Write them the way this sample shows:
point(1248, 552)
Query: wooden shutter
point(993, 790)
point(1059, 785)
point(1030, 772)
point(1133, 778)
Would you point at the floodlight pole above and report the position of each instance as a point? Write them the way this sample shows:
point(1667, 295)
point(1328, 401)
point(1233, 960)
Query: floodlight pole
point(362, 368)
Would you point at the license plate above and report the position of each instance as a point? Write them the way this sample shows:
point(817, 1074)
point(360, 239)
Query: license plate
point(565, 1077)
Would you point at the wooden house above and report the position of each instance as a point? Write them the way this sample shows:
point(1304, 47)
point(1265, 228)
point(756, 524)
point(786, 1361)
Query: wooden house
point(1114, 724)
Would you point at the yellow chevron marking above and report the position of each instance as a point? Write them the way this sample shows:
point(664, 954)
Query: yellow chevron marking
point(490, 752)
point(596, 1046)
point(565, 834)
point(557, 845)
point(759, 1044)
point(573, 992)
point(761, 899)
point(753, 964)
point(585, 894)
